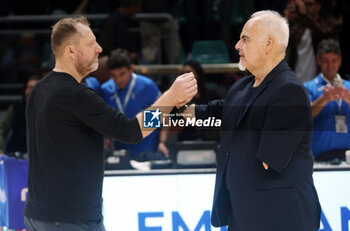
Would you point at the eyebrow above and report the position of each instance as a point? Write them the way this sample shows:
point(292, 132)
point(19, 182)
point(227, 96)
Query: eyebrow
point(244, 37)
point(92, 41)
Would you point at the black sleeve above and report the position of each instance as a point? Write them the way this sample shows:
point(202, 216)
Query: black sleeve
point(212, 109)
point(288, 119)
point(91, 110)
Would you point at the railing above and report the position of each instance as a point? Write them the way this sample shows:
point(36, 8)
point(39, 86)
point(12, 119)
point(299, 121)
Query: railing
point(226, 68)
point(48, 18)
point(143, 69)
point(222, 68)
point(11, 98)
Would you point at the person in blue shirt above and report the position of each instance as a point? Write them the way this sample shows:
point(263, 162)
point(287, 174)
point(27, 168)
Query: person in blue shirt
point(131, 93)
point(330, 99)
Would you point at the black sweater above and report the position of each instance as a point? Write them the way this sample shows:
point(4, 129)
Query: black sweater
point(66, 122)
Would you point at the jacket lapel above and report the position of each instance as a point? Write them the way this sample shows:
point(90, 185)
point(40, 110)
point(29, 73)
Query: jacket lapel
point(260, 89)
point(279, 68)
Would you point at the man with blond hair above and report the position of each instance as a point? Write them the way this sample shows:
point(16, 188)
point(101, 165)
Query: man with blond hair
point(66, 123)
point(264, 172)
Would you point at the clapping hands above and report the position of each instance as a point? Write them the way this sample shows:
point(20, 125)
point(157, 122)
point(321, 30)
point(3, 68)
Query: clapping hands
point(333, 93)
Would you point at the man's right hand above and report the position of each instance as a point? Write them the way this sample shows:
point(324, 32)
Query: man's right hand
point(331, 93)
point(181, 92)
point(183, 89)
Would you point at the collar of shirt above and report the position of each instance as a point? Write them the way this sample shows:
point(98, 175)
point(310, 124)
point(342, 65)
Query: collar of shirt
point(327, 81)
point(126, 87)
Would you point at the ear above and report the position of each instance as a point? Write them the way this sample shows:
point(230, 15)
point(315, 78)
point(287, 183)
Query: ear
point(70, 51)
point(270, 42)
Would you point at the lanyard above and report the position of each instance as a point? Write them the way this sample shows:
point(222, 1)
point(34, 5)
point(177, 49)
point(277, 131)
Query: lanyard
point(127, 96)
point(338, 101)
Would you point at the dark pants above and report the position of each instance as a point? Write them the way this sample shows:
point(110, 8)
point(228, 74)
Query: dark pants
point(38, 225)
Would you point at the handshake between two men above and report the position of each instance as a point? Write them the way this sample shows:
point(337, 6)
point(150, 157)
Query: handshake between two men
point(181, 91)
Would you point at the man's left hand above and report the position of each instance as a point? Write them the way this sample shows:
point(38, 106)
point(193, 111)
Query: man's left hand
point(265, 165)
point(345, 95)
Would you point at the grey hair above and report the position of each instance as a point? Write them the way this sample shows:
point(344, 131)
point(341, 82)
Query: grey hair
point(275, 24)
point(328, 46)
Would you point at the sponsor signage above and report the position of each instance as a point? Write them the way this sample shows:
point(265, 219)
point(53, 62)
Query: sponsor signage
point(183, 202)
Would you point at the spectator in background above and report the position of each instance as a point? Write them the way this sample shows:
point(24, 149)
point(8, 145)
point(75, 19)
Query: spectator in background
point(131, 93)
point(344, 40)
point(102, 6)
point(201, 23)
point(23, 60)
point(22, 7)
point(118, 30)
point(277, 5)
point(203, 96)
point(307, 29)
point(13, 125)
point(100, 76)
point(156, 34)
point(330, 100)
point(67, 6)
point(334, 11)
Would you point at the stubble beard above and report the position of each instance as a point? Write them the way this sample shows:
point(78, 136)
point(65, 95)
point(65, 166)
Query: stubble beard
point(240, 66)
point(84, 69)
point(93, 66)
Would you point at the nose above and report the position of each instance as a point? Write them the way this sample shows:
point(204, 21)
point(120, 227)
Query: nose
point(99, 48)
point(238, 45)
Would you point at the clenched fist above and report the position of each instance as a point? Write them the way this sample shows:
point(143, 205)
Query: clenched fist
point(183, 89)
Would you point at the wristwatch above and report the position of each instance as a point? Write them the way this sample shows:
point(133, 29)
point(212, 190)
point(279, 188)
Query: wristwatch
point(182, 108)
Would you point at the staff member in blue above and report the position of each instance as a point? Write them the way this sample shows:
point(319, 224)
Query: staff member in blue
point(131, 93)
point(330, 99)
point(264, 170)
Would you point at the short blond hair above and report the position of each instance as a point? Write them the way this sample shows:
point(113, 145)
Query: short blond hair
point(278, 25)
point(64, 29)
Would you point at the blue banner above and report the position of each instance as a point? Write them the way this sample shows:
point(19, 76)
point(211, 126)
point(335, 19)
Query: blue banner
point(13, 191)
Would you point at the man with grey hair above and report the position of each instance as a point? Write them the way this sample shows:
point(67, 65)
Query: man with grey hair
point(330, 99)
point(264, 170)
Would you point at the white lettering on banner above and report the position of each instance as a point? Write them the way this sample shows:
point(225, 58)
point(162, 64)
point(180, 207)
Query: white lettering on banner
point(24, 192)
point(209, 122)
point(3, 197)
point(153, 210)
point(191, 122)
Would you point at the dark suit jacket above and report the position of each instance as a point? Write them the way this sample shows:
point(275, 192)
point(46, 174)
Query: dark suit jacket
point(276, 128)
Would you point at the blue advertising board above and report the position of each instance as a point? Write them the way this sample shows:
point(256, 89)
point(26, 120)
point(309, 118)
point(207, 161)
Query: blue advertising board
point(13, 191)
